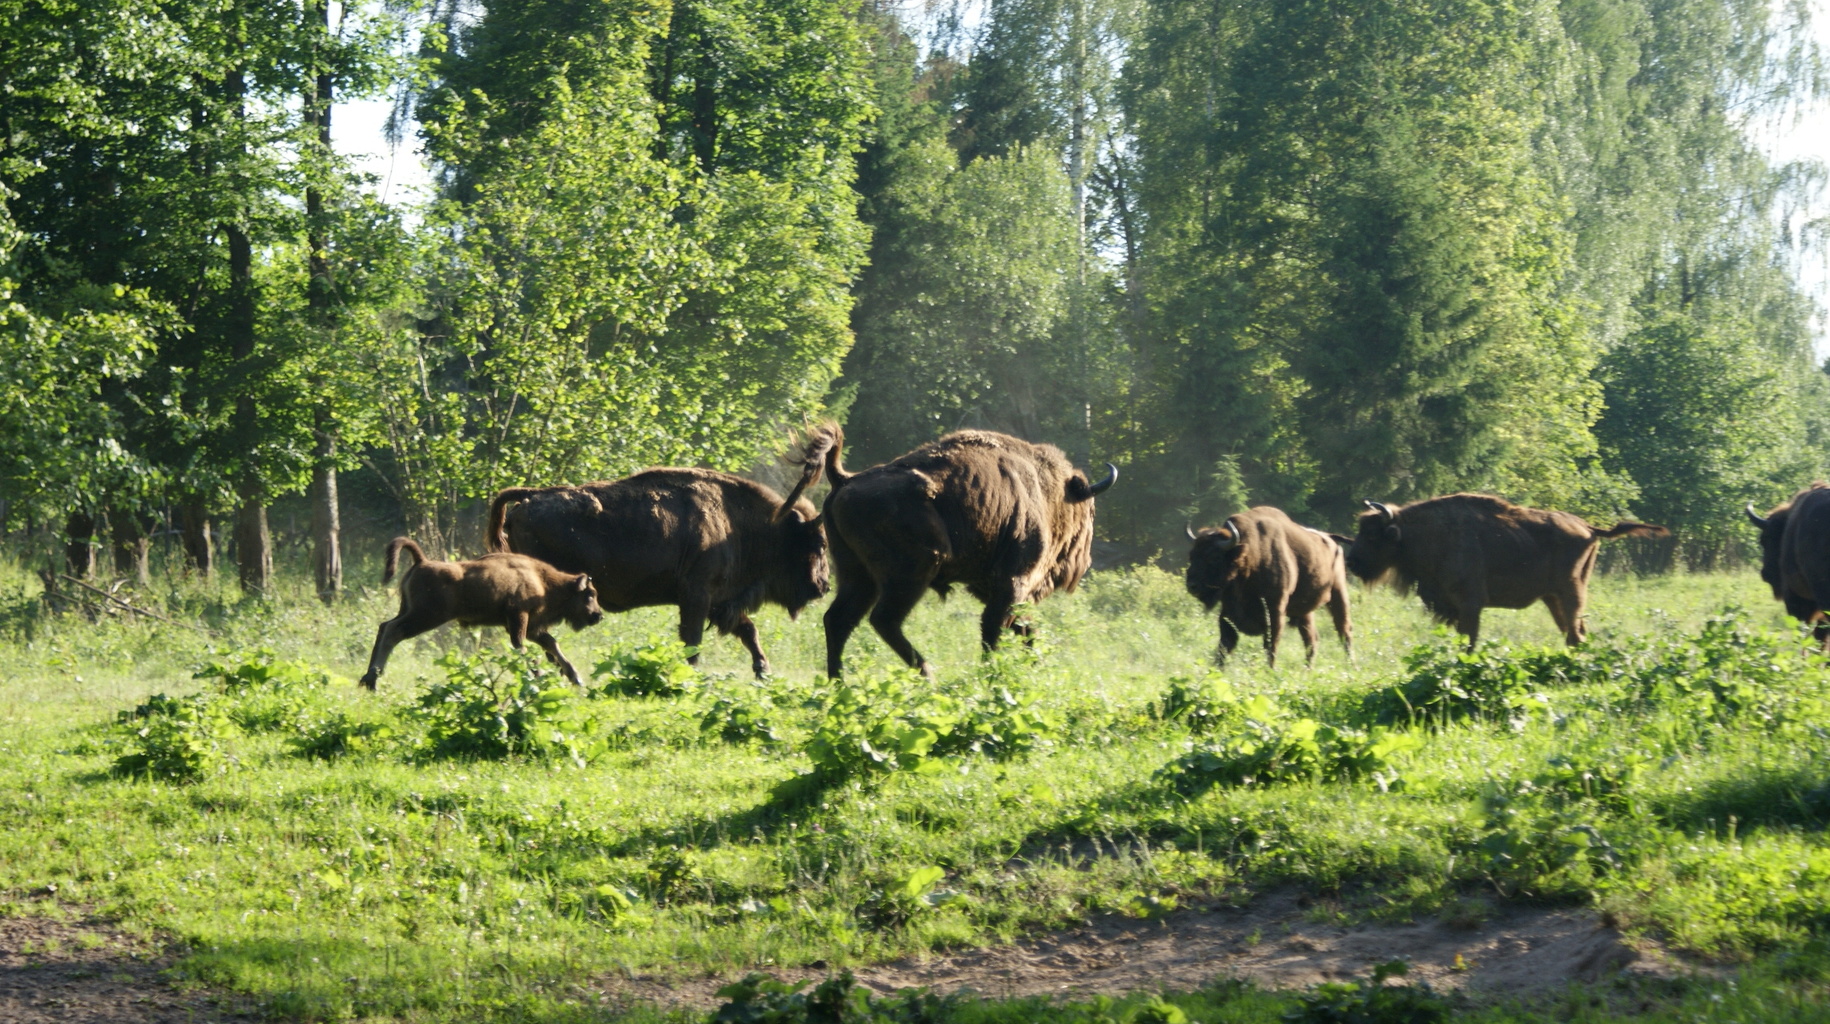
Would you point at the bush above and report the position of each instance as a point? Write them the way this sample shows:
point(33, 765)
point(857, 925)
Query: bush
point(1271, 747)
point(761, 999)
point(734, 721)
point(1371, 1001)
point(1447, 684)
point(176, 740)
point(1201, 705)
point(499, 704)
point(657, 668)
point(879, 726)
point(1551, 825)
point(339, 734)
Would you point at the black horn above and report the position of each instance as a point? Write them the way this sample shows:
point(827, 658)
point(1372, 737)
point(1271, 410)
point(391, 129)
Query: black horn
point(1754, 517)
point(1111, 478)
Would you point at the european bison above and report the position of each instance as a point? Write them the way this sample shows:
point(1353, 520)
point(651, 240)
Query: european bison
point(1466, 552)
point(1795, 556)
point(716, 545)
point(1262, 568)
point(523, 595)
point(1009, 520)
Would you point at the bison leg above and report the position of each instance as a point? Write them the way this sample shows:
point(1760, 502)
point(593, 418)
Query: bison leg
point(1343, 624)
point(894, 603)
point(1229, 639)
point(404, 626)
point(1566, 611)
point(745, 631)
point(1468, 624)
point(1274, 633)
point(693, 613)
point(551, 647)
point(857, 592)
point(1305, 625)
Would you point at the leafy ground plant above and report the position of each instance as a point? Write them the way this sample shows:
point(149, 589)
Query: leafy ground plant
point(499, 704)
point(657, 668)
point(1271, 746)
point(182, 740)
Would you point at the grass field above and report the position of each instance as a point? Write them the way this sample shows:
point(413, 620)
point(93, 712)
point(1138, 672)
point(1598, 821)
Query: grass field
point(339, 855)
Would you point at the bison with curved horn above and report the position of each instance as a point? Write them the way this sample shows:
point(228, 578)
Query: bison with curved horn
point(1262, 568)
point(716, 545)
point(1466, 552)
point(1795, 556)
point(1009, 520)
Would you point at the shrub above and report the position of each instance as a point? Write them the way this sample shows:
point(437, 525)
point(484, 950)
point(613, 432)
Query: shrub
point(657, 668)
point(339, 734)
point(176, 740)
point(1551, 825)
point(734, 721)
point(498, 704)
point(1271, 747)
point(264, 692)
point(761, 999)
point(1371, 1001)
point(1201, 705)
point(879, 726)
point(1446, 684)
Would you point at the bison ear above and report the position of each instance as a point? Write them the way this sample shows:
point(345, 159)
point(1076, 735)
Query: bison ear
point(584, 582)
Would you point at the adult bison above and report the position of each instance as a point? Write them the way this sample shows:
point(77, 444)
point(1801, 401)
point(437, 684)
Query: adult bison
point(1466, 552)
point(1795, 556)
point(716, 545)
point(1262, 568)
point(1009, 520)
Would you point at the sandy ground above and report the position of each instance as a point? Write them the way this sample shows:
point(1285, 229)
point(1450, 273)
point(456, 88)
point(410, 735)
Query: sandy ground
point(88, 972)
point(1273, 942)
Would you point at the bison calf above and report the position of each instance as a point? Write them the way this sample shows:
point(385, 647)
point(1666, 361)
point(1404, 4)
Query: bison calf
point(523, 595)
point(1262, 569)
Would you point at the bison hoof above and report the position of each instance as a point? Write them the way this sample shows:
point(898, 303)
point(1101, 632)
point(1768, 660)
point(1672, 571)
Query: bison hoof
point(368, 682)
point(761, 668)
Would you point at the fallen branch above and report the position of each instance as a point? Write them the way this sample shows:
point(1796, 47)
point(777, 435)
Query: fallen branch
point(136, 609)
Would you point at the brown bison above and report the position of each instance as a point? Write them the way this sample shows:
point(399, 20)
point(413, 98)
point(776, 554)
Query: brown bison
point(1795, 556)
point(716, 545)
point(1009, 520)
point(1466, 552)
point(522, 595)
point(1262, 568)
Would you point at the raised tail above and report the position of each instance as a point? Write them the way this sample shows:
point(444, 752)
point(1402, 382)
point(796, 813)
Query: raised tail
point(821, 453)
point(1633, 529)
point(395, 547)
point(495, 534)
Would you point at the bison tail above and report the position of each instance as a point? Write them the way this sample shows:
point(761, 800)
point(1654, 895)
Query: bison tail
point(820, 454)
point(495, 534)
point(395, 547)
point(1633, 529)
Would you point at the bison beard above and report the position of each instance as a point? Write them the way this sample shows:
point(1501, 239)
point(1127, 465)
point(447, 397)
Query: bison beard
point(520, 594)
point(1795, 556)
point(716, 545)
point(1262, 569)
point(1466, 552)
point(1009, 520)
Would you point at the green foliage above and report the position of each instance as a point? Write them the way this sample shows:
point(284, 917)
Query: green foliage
point(760, 999)
point(884, 725)
point(734, 720)
point(1371, 1001)
point(1201, 704)
point(657, 668)
point(176, 740)
point(1446, 683)
point(264, 692)
point(1272, 747)
point(500, 704)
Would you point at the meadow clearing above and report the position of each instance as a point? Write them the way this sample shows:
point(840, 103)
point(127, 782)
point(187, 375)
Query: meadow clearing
point(477, 842)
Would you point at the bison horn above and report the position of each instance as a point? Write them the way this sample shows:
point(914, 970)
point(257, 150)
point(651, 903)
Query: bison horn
point(1380, 508)
point(1190, 530)
point(1111, 478)
point(1754, 517)
point(1230, 536)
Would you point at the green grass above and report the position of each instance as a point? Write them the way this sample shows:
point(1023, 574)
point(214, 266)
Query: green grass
point(391, 884)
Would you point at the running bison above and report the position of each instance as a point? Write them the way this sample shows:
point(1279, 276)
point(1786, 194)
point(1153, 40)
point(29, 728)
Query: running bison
point(716, 545)
point(1262, 568)
point(1466, 552)
point(523, 595)
point(1010, 521)
point(1795, 556)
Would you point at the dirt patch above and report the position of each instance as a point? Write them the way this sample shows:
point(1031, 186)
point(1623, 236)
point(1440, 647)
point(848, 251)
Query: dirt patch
point(1272, 942)
point(88, 972)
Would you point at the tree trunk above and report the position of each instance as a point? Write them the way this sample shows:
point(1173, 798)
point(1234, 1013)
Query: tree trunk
point(253, 546)
point(327, 554)
point(132, 547)
point(79, 544)
point(194, 532)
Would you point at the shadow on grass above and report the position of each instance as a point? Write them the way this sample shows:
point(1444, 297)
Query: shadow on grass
point(1772, 798)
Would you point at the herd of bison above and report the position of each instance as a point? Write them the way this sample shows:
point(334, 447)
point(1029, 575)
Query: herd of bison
point(1011, 522)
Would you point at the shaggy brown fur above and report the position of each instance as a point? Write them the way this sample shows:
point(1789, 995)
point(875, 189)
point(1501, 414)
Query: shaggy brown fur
point(1262, 568)
point(715, 545)
point(522, 595)
point(1466, 552)
point(1795, 556)
point(1010, 521)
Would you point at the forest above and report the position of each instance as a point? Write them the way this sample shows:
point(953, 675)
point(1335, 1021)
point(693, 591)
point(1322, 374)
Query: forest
point(1288, 253)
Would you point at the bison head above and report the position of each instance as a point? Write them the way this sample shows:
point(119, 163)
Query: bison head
point(580, 603)
point(1212, 562)
point(1374, 551)
point(801, 576)
point(1772, 528)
